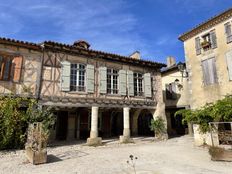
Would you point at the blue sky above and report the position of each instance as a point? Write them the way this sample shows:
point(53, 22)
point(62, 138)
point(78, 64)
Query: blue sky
point(118, 26)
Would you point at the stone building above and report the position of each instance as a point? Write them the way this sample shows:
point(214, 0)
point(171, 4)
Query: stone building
point(208, 55)
point(175, 95)
point(94, 94)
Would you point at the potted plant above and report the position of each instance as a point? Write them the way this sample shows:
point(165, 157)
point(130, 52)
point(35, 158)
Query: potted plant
point(158, 126)
point(205, 43)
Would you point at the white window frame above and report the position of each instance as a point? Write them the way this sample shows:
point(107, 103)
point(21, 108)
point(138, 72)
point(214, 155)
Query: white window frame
point(112, 90)
point(137, 92)
point(78, 69)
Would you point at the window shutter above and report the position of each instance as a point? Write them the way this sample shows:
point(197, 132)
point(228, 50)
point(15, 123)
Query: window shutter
point(90, 78)
point(16, 68)
point(122, 82)
point(205, 70)
point(198, 46)
point(147, 84)
point(65, 75)
point(102, 73)
point(229, 63)
point(215, 78)
point(213, 39)
point(209, 71)
point(130, 83)
point(228, 32)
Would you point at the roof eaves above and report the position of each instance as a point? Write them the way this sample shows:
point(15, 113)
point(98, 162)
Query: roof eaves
point(227, 13)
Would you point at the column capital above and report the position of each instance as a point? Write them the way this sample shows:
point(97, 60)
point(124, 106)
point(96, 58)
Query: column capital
point(126, 108)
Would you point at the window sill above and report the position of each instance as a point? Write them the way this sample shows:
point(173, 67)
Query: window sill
point(113, 95)
point(210, 85)
point(77, 92)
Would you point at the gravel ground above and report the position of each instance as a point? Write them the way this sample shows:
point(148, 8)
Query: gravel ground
point(175, 156)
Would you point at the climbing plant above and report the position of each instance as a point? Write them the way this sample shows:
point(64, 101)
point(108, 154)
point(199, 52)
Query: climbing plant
point(15, 115)
point(221, 110)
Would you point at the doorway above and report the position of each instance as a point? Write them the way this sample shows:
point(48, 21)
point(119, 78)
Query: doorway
point(62, 125)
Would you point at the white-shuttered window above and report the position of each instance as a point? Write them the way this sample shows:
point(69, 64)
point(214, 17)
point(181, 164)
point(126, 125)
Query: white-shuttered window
point(138, 84)
point(209, 71)
point(77, 77)
point(112, 81)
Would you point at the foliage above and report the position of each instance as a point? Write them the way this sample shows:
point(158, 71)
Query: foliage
point(158, 126)
point(15, 115)
point(221, 110)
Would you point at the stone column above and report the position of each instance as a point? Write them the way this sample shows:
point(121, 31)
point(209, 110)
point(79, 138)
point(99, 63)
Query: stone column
point(94, 140)
point(125, 138)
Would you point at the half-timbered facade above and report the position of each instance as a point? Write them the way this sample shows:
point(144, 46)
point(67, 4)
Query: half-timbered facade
point(95, 94)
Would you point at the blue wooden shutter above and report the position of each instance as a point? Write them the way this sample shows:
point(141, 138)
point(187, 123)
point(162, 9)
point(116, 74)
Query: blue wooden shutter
point(147, 84)
point(122, 82)
point(65, 75)
point(90, 78)
point(130, 82)
point(102, 75)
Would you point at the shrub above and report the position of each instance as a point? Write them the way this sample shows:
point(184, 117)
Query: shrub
point(158, 126)
point(15, 115)
point(221, 110)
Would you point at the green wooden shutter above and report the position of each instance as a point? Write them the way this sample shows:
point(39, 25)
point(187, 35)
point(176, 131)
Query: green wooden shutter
point(90, 78)
point(229, 63)
point(213, 39)
point(198, 45)
point(65, 75)
point(130, 83)
point(102, 75)
point(122, 82)
point(147, 85)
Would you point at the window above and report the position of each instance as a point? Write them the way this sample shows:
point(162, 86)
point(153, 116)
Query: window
point(171, 91)
point(112, 81)
point(206, 42)
point(5, 68)
point(209, 71)
point(77, 77)
point(138, 84)
point(228, 32)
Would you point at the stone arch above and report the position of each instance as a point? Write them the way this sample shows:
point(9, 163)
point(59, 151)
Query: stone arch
point(116, 123)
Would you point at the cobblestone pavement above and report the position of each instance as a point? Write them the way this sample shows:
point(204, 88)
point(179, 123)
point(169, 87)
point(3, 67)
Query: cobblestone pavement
point(174, 156)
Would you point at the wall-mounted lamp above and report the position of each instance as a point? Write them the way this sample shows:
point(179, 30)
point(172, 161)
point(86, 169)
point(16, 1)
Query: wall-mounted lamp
point(178, 84)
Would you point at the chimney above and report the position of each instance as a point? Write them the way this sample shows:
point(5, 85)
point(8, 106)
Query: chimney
point(170, 61)
point(135, 55)
point(81, 44)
